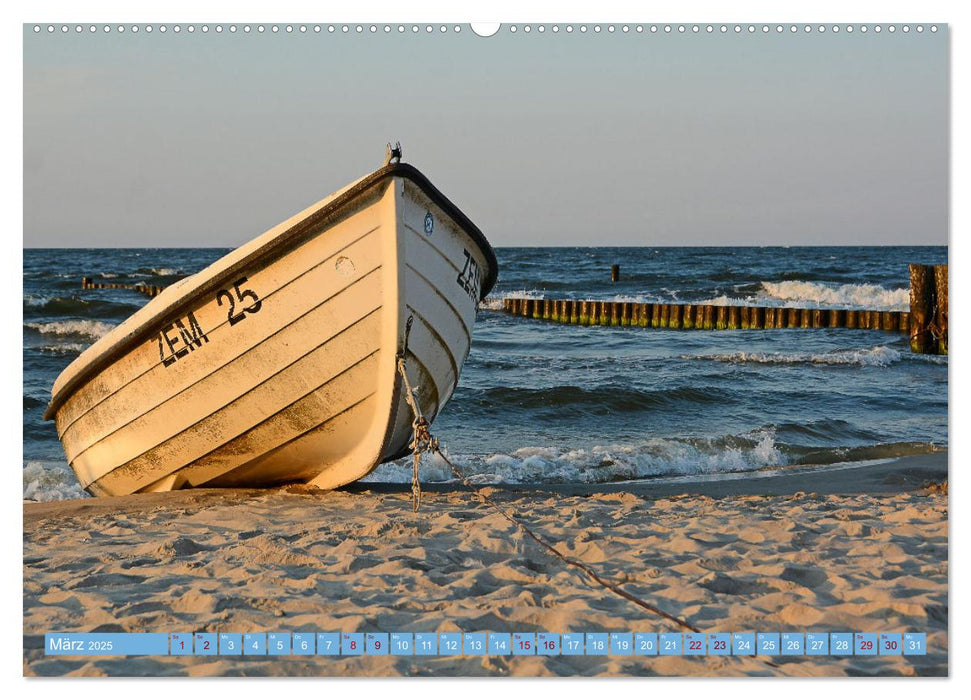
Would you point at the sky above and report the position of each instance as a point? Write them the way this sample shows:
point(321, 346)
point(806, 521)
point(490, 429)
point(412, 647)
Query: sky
point(195, 140)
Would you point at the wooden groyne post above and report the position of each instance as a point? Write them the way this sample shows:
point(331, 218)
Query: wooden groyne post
point(928, 309)
point(146, 289)
point(940, 318)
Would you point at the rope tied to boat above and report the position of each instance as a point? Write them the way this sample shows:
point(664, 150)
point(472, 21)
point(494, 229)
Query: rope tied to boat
point(422, 440)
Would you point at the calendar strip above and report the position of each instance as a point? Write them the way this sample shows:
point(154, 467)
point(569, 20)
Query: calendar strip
point(333, 644)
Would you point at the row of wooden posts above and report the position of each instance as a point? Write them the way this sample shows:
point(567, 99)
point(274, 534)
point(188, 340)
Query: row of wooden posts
point(925, 323)
point(146, 289)
point(701, 316)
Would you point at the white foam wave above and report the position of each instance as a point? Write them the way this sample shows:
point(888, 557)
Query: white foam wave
point(156, 272)
point(50, 481)
point(76, 327)
point(526, 294)
point(928, 359)
point(599, 464)
point(34, 300)
point(864, 296)
point(879, 356)
point(725, 300)
point(666, 297)
point(792, 293)
point(432, 469)
point(61, 349)
point(643, 299)
point(801, 294)
point(492, 303)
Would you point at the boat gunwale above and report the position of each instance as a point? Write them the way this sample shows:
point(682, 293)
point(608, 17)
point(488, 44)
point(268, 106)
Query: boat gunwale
point(290, 237)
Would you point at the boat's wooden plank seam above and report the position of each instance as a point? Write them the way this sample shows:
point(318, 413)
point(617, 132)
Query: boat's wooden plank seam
point(416, 350)
point(156, 433)
point(255, 347)
point(275, 451)
point(223, 459)
point(109, 391)
point(220, 380)
point(251, 448)
point(430, 302)
point(427, 327)
point(401, 421)
point(416, 255)
point(429, 402)
point(427, 245)
point(151, 455)
point(437, 292)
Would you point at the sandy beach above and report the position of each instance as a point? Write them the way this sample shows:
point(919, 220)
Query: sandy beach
point(799, 551)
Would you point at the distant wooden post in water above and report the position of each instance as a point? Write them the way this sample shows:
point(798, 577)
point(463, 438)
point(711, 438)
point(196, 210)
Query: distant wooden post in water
point(614, 273)
point(146, 289)
point(928, 320)
point(940, 318)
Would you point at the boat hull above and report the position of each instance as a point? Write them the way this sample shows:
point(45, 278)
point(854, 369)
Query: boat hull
point(287, 370)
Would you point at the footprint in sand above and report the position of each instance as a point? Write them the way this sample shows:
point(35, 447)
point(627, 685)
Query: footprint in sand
point(721, 583)
point(108, 581)
point(181, 547)
point(807, 576)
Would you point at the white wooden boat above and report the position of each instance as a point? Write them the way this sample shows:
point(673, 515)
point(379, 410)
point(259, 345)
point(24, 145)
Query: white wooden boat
point(277, 363)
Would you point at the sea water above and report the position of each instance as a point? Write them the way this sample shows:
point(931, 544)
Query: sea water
point(540, 402)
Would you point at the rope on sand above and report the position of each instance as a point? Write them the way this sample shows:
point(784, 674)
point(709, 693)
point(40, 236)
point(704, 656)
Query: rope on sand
point(569, 561)
point(423, 442)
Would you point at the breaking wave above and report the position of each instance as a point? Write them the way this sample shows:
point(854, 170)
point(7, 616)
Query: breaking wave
point(50, 481)
point(654, 458)
point(880, 356)
point(61, 349)
point(864, 296)
point(157, 272)
point(58, 306)
point(492, 303)
point(600, 464)
point(74, 328)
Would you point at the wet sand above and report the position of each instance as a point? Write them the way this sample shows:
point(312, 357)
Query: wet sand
point(866, 550)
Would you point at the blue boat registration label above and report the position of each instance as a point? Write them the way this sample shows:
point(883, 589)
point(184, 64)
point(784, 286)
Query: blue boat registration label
point(429, 223)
